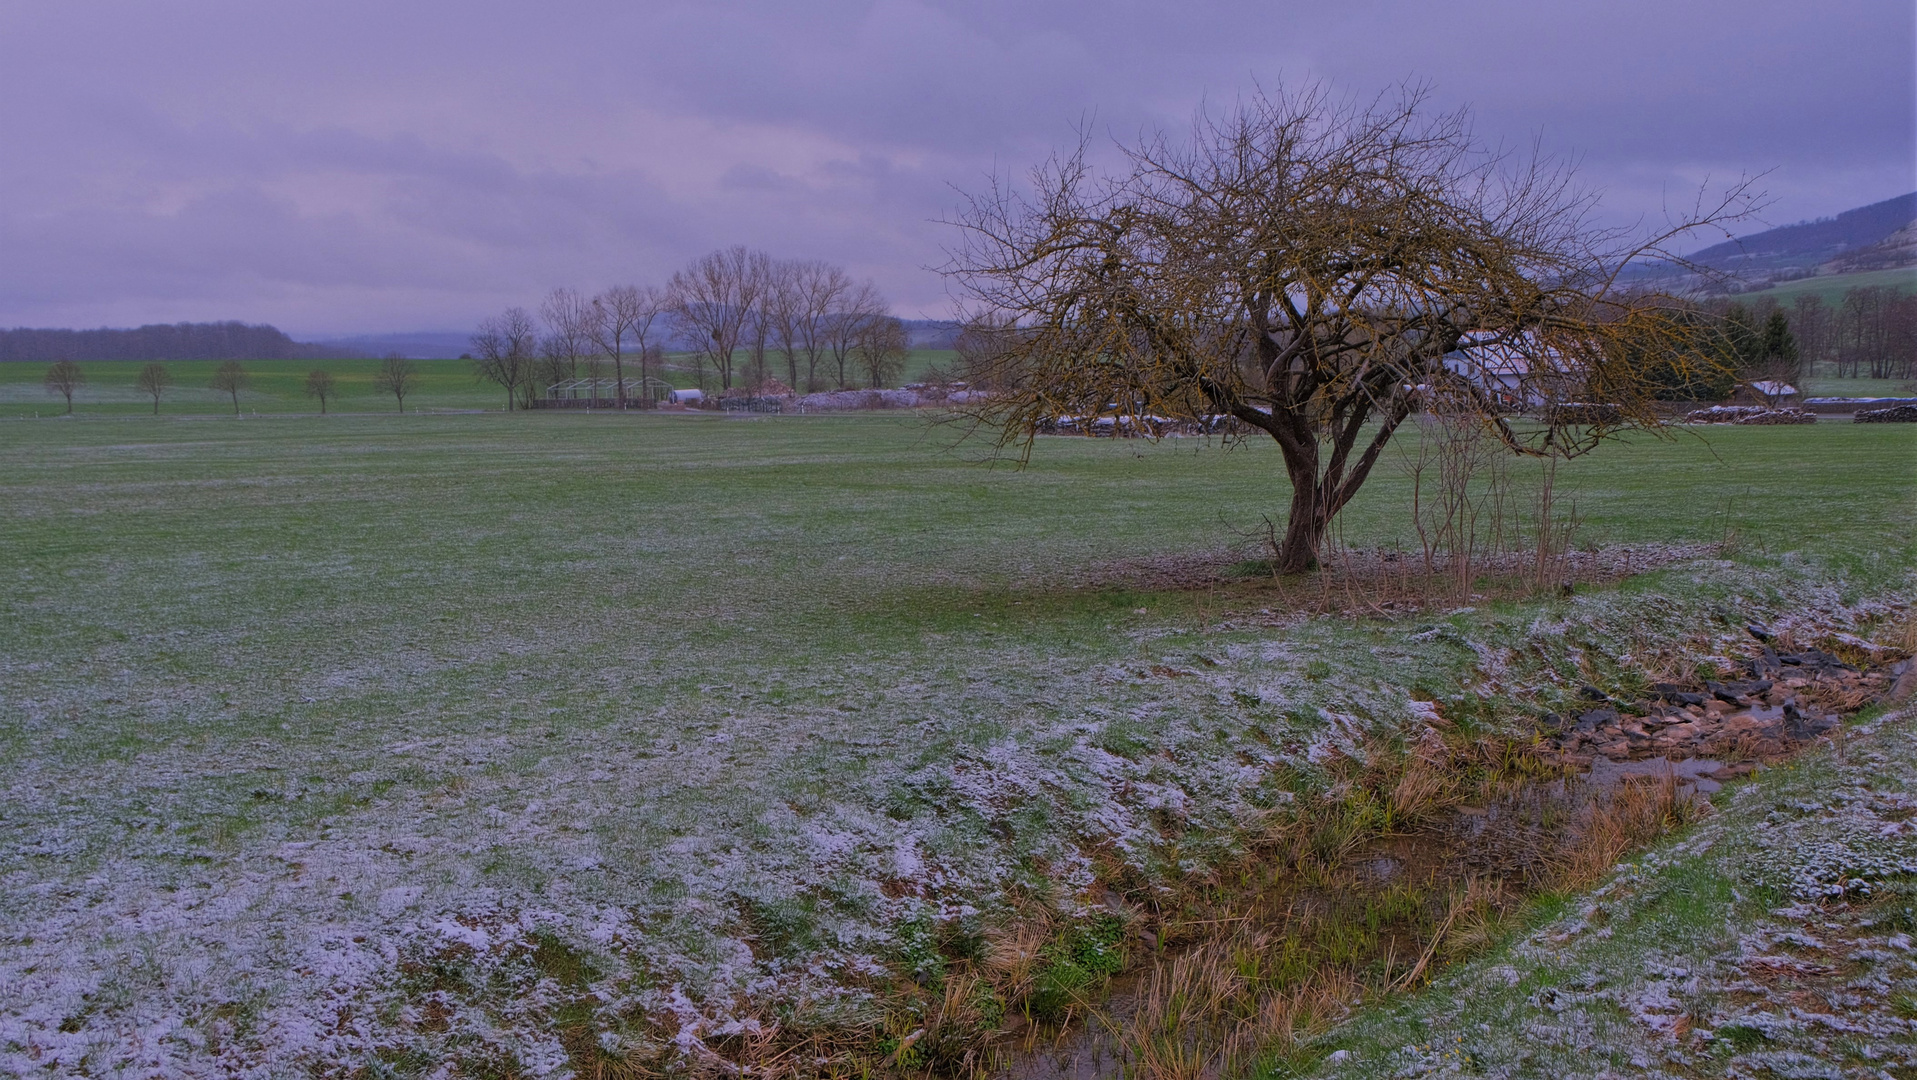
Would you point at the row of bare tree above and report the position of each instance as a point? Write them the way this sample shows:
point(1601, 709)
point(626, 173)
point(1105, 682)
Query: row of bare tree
point(395, 375)
point(744, 317)
point(1872, 331)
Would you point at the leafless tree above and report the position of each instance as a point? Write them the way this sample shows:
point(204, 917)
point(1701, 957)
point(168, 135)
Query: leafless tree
point(981, 345)
point(230, 378)
point(845, 323)
point(397, 376)
point(647, 309)
point(568, 318)
point(782, 310)
point(881, 349)
point(818, 288)
point(320, 384)
point(622, 314)
point(64, 377)
point(759, 326)
point(505, 352)
point(1811, 325)
point(713, 302)
point(1306, 265)
point(153, 380)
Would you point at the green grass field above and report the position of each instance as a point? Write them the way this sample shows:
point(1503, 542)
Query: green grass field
point(1831, 289)
point(279, 386)
point(1828, 386)
point(306, 722)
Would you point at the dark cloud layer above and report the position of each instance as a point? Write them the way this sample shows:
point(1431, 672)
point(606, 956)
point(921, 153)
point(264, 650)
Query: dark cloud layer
point(359, 166)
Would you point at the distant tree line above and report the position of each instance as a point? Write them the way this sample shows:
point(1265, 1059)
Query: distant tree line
point(161, 341)
point(1871, 333)
point(396, 375)
point(756, 324)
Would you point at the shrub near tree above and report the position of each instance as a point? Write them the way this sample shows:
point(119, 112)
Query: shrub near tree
point(320, 384)
point(230, 378)
point(153, 380)
point(64, 377)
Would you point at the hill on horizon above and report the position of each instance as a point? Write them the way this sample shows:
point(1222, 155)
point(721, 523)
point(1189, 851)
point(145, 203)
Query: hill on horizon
point(1809, 244)
point(231, 340)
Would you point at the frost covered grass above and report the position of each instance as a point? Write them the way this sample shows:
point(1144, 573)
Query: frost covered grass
point(536, 743)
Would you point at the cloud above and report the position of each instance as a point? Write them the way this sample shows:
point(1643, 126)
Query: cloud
point(362, 166)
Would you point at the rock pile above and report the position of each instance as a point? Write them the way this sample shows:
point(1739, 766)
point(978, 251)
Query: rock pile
point(1749, 414)
point(1788, 699)
point(1896, 414)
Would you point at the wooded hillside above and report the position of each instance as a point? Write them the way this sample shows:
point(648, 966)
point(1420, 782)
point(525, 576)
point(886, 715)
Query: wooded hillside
point(162, 341)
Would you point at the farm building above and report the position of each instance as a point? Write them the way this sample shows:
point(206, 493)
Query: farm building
point(1514, 373)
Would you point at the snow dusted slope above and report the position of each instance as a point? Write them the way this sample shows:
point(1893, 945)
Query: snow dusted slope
point(1773, 940)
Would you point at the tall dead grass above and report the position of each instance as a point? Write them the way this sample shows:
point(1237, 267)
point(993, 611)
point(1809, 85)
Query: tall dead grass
point(1317, 940)
point(1638, 810)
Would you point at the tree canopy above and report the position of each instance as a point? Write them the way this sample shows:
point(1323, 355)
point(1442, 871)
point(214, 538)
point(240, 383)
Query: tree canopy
point(1316, 270)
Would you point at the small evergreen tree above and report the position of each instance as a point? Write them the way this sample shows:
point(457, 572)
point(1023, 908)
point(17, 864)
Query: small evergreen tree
point(1779, 347)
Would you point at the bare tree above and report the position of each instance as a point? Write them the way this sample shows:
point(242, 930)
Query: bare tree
point(1308, 266)
point(231, 378)
point(820, 288)
point(981, 345)
point(397, 376)
point(505, 353)
point(1810, 323)
point(782, 310)
point(63, 378)
point(759, 325)
point(881, 349)
point(620, 314)
point(713, 302)
point(568, 317)
point(845, 323)
point(153, 380)
point(320, 384)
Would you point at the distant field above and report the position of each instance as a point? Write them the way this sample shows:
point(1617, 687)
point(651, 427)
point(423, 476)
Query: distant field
point(1827, 386)
point(311, 725)
point(1832, 289)
point(279, 386)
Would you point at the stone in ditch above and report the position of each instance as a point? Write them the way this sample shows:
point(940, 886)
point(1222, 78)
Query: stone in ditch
point(1597, 718)
point(1679, 734)
point(1592, 693)
point(1677, 694)
point(1906, 684)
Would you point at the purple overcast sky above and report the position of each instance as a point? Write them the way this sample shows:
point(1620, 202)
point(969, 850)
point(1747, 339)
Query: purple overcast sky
point(357, 166)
